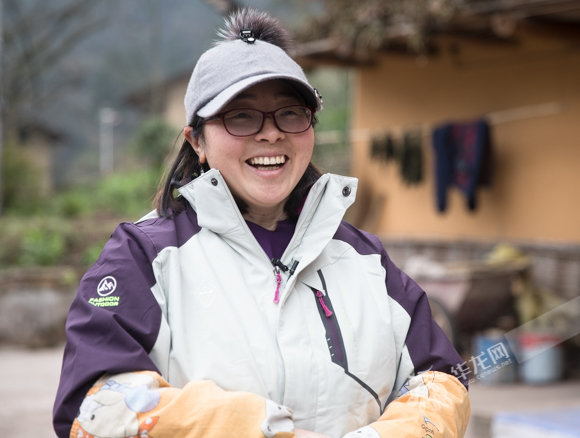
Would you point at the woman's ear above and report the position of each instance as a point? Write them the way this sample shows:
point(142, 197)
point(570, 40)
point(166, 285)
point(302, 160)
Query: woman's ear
point(195, 143)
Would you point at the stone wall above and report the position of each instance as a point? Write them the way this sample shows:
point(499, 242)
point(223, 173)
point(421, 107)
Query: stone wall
point(34, 303)
point(555, 267)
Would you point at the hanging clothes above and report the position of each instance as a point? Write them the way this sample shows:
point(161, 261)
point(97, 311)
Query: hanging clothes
point(390, 148)
point(384, 148)
point(463, 157)
point(377, 148)
point(411, 157)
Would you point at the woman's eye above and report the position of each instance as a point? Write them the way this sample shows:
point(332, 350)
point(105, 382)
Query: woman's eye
point(291, 112)
point(239, 115)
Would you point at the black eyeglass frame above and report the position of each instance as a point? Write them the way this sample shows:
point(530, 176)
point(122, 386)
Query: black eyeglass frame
point(264, 114)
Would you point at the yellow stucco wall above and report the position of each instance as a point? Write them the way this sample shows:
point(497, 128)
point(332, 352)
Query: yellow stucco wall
point(536, 189)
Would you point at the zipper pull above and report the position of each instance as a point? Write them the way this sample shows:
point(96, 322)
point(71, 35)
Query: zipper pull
point(278, 262)
point(278, 281)
point(327, 311)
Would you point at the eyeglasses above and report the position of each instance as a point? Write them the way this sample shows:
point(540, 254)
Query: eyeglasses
point(243, 122)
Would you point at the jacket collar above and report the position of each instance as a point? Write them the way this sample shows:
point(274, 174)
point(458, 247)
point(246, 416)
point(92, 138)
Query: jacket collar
point(321, 215)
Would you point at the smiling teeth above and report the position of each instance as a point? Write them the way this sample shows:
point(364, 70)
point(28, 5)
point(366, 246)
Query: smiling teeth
point(267, 161)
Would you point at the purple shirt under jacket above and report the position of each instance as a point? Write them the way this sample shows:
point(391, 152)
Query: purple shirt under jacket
point(274, 243)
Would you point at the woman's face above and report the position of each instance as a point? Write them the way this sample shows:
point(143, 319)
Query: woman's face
point(263, 188)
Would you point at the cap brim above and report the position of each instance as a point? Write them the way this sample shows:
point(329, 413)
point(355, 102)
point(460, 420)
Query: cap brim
point(215, 105)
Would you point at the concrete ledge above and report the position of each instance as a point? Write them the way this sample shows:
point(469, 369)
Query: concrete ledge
point(34, 304)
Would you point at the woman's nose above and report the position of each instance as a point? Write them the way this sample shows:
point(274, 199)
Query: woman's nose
point(269, 131)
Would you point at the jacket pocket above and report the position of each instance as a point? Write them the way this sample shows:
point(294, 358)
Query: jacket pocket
point(333, 334)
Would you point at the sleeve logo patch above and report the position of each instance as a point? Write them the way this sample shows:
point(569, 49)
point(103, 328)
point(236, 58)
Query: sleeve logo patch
point(105, 301)
point(107, 286)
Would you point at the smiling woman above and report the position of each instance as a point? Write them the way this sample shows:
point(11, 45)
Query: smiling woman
point(263, 167)
point(249, 70)
point(245, 306)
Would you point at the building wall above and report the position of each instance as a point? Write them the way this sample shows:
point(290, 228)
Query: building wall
point(536, 189)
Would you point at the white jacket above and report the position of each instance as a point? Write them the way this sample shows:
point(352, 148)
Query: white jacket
point(191, 300)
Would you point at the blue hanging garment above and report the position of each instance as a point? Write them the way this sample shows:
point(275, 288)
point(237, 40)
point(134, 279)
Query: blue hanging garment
point(463, 157)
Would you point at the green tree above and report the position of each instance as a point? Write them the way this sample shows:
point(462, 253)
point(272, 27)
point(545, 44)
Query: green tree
point(20, 190)
point(36, 36)
point(153, 142)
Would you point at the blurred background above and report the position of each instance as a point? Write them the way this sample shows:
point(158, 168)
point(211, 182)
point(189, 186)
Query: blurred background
point(460, 118)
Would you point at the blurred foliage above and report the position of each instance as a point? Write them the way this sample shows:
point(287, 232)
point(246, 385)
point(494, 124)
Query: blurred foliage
point(92, 253)
point(53, 240)
point(34, 241)
point(20, 187)
point(153, 140)
point(41, 248)
point(72, 227)
point(71, 203)
point(129, 194)
point(124, 195)
point(358, 26)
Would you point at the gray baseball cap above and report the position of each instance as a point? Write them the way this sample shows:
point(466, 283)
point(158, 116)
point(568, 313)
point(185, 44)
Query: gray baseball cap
point(230, 67)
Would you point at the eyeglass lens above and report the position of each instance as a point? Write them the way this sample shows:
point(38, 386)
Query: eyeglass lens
point(290, 119)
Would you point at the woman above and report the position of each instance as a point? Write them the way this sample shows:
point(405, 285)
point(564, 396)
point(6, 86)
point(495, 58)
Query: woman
point(245, 306)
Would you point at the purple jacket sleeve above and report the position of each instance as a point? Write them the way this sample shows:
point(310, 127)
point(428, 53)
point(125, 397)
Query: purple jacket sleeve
point(428, 346)
point(113, 322)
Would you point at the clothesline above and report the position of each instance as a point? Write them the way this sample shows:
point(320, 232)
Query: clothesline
point(494, 118)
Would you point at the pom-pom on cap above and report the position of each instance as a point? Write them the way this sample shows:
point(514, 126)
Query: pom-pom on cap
point(235, 64)
point(263, 26)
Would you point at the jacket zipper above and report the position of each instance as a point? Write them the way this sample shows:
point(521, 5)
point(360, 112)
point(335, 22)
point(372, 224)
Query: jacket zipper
point(277, 273)
point(334, 336)
point(278, 282)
